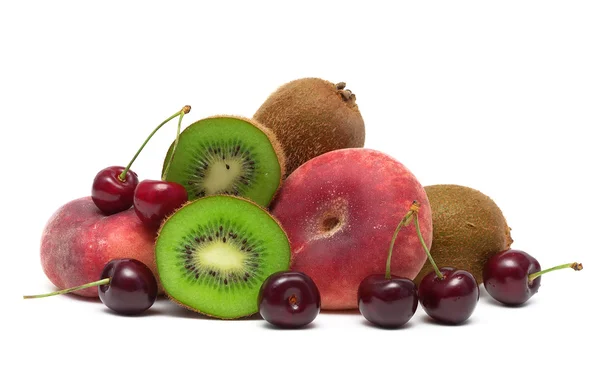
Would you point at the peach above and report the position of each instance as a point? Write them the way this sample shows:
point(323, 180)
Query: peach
point(79, 240)
point(340, 211)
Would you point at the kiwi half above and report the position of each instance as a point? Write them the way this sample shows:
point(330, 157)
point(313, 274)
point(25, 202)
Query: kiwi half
point(227, 155)
point(468, 229)
point(312, 116)
point(214, 253)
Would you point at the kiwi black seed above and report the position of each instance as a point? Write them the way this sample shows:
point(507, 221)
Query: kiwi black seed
point(311, 116)
point(468, 228)
point(227, 155)
point(214, 253)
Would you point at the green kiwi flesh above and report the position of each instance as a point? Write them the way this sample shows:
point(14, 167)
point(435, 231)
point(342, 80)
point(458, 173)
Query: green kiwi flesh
point(227, 155)
point(214, 253)
point(468, 228)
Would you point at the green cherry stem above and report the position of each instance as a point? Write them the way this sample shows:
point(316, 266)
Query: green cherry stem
point(87, 285)
point(573, 265)
point(403, 223)
point(123, 175)
point(437, 271)
point(415, 207)
point(186, 109)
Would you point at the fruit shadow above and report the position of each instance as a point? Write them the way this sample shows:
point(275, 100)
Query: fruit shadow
point(168, 308)
point(485, 297)
point(406, 326)
point(428, 320)
point(496, 303)
point(268, 326)
point(148, 313)
point(81, 298)
point(349, 312)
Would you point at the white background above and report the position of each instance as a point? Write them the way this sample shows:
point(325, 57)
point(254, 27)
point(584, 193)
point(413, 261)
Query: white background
point(503, 97)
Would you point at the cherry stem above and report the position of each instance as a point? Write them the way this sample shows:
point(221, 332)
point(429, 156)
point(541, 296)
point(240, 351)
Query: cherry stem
point(123, 176)
point(403, 223)
point(183, 112)
point(87, 285)
point(435, 268)
point(573, 265)
point(415, 208)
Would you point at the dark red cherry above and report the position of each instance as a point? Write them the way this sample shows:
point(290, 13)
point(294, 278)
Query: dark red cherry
point(132, 288)
point(450, 299)
point(289, 299)
point(447, 295)
point(388, 303)
point(112, 192)
point(505, 277)
point(386, 300)
point(154, 200)
point(513, 277)
point(126, 286)
point(113, 188)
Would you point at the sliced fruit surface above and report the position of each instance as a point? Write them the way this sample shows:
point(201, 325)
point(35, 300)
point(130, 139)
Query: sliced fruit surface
point(227, 155)
point(213, 255)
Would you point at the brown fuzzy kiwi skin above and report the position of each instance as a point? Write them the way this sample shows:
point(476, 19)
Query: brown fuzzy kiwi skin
point(468, 228)
point(312, 116)
point(174, 300)
point(277, 147)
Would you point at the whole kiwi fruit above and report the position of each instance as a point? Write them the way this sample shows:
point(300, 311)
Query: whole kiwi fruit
point(312, 116)
point(468, 228)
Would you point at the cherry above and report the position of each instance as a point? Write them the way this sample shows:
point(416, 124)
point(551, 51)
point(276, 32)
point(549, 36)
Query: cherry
point(132, 288)
point(289, 299)
point(154, 200)
point(447, 295)
point(113, 187)
point(126, 286)
point(450, 296)
point(386, 300)
point(112, 193)
point(513, 277)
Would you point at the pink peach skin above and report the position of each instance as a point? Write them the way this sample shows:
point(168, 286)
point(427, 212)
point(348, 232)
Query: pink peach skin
point(340, 211)
point(79, 240)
